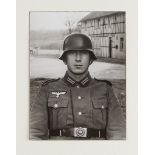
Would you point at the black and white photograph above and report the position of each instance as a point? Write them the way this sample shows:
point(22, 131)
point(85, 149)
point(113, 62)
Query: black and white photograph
point(77, 75)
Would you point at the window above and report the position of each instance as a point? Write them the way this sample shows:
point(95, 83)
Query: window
point(97, 22)
point(102, 22)
point(121, 44)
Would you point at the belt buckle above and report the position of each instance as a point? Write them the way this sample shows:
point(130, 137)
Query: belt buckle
point(80, 132)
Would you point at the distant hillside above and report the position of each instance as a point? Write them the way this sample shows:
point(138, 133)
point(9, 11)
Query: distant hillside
point(47, 39)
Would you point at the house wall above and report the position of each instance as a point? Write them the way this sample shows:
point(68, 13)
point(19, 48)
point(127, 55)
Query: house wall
point(102, 29)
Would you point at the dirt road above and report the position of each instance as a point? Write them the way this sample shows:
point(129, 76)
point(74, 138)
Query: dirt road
point(44, 67)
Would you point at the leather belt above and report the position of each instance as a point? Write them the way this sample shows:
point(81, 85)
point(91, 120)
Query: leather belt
point(78, 132)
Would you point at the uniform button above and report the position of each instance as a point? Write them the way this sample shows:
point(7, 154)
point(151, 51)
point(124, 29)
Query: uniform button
point(78, 86)
point(102, 107)
point(79, 97)
point(55, 105)
point(80, 113)
point(122, 93)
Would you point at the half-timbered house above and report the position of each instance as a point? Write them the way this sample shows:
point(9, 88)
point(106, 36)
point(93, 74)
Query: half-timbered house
point(107, 31)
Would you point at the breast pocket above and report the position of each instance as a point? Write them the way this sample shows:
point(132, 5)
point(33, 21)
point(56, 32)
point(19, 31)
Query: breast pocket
point(58, 108)
point(99, 112)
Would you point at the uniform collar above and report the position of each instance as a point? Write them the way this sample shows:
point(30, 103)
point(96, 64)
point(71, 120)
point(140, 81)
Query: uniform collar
point(84, 82)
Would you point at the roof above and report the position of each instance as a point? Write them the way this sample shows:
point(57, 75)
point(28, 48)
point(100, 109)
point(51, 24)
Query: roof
point(97, 14)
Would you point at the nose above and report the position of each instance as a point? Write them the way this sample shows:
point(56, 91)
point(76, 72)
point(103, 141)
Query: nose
point(78, 56)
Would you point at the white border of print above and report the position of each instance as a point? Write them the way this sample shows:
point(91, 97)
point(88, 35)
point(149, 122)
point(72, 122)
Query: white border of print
point(27, 147)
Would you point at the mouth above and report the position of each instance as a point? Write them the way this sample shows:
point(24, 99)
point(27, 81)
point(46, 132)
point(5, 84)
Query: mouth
point(78, 65)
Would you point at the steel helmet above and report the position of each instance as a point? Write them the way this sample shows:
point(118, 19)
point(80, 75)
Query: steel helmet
point(77, 42)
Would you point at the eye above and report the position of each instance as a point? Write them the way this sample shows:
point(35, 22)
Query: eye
point(69, 53)
point(85, 52)
point(72, 52)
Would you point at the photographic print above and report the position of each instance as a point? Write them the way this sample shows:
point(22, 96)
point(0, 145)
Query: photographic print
point(77, 64)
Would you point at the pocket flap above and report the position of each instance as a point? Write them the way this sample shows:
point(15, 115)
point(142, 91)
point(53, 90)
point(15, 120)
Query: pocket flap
point(57, 103)
point(99, 103)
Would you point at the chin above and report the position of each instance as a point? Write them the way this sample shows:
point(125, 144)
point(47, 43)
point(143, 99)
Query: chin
point(78, 72)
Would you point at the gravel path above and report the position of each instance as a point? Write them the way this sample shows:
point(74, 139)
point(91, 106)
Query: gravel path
point(44, 67)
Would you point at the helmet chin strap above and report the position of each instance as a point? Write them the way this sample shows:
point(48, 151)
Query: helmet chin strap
point(77, 77)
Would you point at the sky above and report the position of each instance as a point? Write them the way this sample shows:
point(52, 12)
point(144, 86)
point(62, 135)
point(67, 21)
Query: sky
point(53, 20)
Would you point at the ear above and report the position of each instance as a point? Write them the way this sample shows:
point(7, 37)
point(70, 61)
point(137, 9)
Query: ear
point(91, 58)
point(65, 62)
point(91, 61)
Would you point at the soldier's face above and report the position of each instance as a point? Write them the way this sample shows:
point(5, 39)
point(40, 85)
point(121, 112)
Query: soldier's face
point(78, 61)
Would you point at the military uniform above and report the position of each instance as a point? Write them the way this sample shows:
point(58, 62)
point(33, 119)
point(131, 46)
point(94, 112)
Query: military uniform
point(86, 109)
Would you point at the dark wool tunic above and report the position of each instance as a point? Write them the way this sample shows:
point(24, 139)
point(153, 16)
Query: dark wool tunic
point(66, 104)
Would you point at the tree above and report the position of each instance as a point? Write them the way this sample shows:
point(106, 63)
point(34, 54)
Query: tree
point(70, 24)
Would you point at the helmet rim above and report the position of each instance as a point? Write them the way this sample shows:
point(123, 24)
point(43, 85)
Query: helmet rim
point(89, 50)
point(77, 42)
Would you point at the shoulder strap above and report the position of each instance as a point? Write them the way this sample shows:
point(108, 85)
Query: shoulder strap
point(47, 81)
point(104, 80)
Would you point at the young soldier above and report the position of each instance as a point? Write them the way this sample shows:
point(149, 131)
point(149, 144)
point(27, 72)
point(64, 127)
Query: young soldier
point(77, 106)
